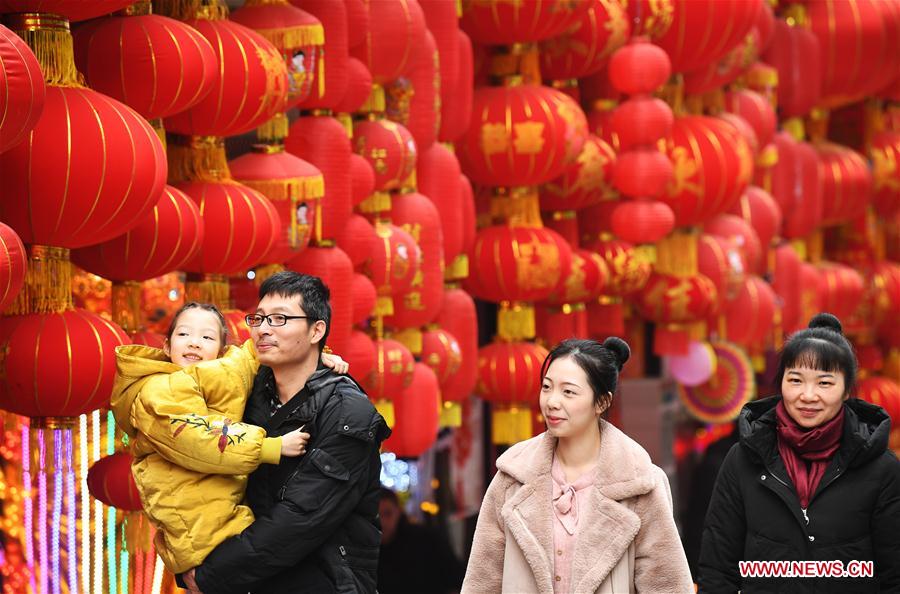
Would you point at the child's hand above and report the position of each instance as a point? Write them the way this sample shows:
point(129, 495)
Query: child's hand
point(335, 362)
point(294, 443)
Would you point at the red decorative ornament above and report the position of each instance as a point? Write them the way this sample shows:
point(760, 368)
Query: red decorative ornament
point(436, 171)
point(329, 82)
point(360, 354)
point(639, 68)
point(359, 240)
point(458, 317)
point(885, 393)
point(13, 264)
point(743, 128)
point(414, 100)
point(441, 352)
point(586, 47)
point(795, 54)
point(509, 372)
point(396, 31)
point(359, 85)
point(364, 296)
point(521, 135)
point(333, 266)
point(642, 221)
point(163, 241)
point(357, 22)
point(755, 110)
point(74, 10)
point(417, 412)
point(786, 278)
point(642, 172)
point(393, 373)
point(585, 281)
point(585, 182)
point(846, 183)
point(24, 93)
point(147, 338)
point(726, 69)
point(842, 289)
point(443, 23)
point(82, 380)
point(110, 481)
point(721, 261)
point(739, 231)
point(389, 148)
point(641, 121)
point(496, 22)
point(156, 65)
point(362, 179)
point(750, 316)
point(628, 273)
point(885, 154)
point(796, 186)
point(394, 265)
point(759, 208)
point(882, 298)
point(246, 62)
point(675, 302)
point(457, 94)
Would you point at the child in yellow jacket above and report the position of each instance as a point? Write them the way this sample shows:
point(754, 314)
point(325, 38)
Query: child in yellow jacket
point(181, 407)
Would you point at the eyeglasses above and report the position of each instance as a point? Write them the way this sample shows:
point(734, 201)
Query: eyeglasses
point(256, 320)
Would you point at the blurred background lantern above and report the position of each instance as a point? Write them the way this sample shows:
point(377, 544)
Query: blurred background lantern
point(331, 75)
point(13, 263)
point(437, 172)
point(457, 317)
point(23, 99)
point(416, 414)
point(364, 298)
point(584, 182)
point(586, 46)
point(110, 480)
point(393, 267)
point(393, 373)
point(396, 32)
point(456, 109)
point(694, 368)
point(496, 22)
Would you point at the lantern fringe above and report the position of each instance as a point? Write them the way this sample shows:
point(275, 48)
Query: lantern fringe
point(208, 288)
point(264, 272)
point(291, 38)
point(289, 188)
point(48, 282)
point(795, 127)
point(817, 125)
point(375, 102)
point(197, 158)
point(275, 130)
point(384, 305)
point(411, 338)
point(346, 121)
point(159, 128)
point(186, 10)
point(451, 415)
point(510, 424)
point(458, 269)
point(126, 306)
point(515, 322)
point(676, 254)
point(50, 39)
point(376, 203)
point(386, 409)
point(517, 60)
point(517, 207)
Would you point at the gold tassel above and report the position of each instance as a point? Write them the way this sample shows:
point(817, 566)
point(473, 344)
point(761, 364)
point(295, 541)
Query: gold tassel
point(519, 61)
point(48, 282)
point(378, 202)
point(676, 254)
point(291, 38)
point(207, 288)
point(347, 121)
point(411, 338)
point(458, 268)
point(321, 72)
point(139, 8)
point(815, 246)
point(796, 16)
point(795, 127)
point(386, 409)
point(126, 306)
point(384, 305)
point(275, 130)
point(264, 272)
point(49, 38)
point(186, 10)
point(159, 128)
point(510, 424)
point(817, 125)
point(375, 101)
point(515, 321)
point(673, 93)
point(451, 415)
point(517, 207)
point(197, 158)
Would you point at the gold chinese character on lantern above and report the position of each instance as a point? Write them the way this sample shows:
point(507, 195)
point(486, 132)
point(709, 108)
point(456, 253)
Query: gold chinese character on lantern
point(535, 264)
point(685, 168)
point(494, 139)
point(885, 168)
point(413, 301)
point(529, 137)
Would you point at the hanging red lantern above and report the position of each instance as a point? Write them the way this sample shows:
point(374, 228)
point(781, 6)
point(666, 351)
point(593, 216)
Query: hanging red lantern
point(163, 241)
point(642, 221)
point(441, 352)
point(91, 166)
point(416, 410)
point(639, 68)
point(156, 65)
point(23, 98)
point(394, 366)
point(761, 211)
point(238, 331)
point(585, 47)
point(786, 282)
point(584, 182)
point(796, 186)
point(496, 22)
point(675, 304)
point(726, 69)
point(436, 173)
point(509, 377)
point(74, 10)
point(457, 94)
point(443, 23)
point(641, 121)
point(297, 35)
point(721, 261)
point(846, 183)
point(756, 110)
point(110, 481)
point(322, 141)
point(362, 179)
point(739, 231)
point(83, 378)
point(360, 354)
point(467, 206)
point(147, 338)
point(359, 85)
point(357, 22)
point(358, 239)
point(884, 152)
point(842, 289)
point(458, 317)
point(521, 135)
point(750, 315)
point(743, 128)
point(642, 172)
point(329, 83)
point(13, 263)
point(585, 281)
point(390, 149)
point(294, 188)
point(628, 273)
point(333, 266)
point(246, 61)
point(396, 30)
point(364, 296)
point(393, 266)
point(794, 52)
point(885, 393)
point(414, 99)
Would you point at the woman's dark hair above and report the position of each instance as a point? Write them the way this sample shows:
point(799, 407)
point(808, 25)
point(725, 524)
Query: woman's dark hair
point(223, 327)
point(821, 346)
point(600, 362)
point(311, 292)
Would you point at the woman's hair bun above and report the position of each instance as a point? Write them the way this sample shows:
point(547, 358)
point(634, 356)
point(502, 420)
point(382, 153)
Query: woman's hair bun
point(619, 348)
point(826, 320)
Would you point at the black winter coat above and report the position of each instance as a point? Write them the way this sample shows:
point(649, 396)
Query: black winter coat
point(317, 527)
point(854, 514)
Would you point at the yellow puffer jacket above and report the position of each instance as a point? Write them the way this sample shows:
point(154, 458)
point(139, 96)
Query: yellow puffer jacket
point(191, 453)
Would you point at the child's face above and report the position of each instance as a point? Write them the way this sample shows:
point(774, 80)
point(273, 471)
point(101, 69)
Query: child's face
point(197, 337)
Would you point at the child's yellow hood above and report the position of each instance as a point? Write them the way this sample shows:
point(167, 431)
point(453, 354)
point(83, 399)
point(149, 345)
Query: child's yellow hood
point(134, 365)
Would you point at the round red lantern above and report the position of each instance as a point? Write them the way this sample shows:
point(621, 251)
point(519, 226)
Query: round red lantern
point(110, 481)
point(394, 265)
point(794, 52)
point(521, 135)
point(360, 354)
point(497, 22)
point(509, 377)
point(846, 183)
point(585, 182)
point(156, 65)
point(726, 69)
point(437, 170)
point(441, 352)
point(885, 153)
point(721, 261)
point(457, 94)
point(362, 179)
point(642, 221)
point(359, 85)
point(333, 266)
point(364, 296)
point(358, 239)
point(389, 148)
point(642, 172)
point(329, 82)
point(396, 31)
point(759, 208)
point(91, 167)
point(750, 315)
point(357, 22)
point(628, 272)
point(641, 121)
point(885, 393)
point(82, 378)
point(393, 372)
point(842, 289)
point(239, 224)
point(416, 414)
point(443, 23)
point(74, 10)
point(786, 279)
point(13, 264)
point(796, 186)
point(585, 47)
point(322, 141)
point(414, 100)
point(676, 304)
point(24, 93)
point(639, 68)
point(163, 241)
point(585, 281)
point(467, 206)
point(739, 231)
point(458, 317)
point(755, 110)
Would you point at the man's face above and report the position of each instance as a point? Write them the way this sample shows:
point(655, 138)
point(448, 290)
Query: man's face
point(390, 517)
point(292, 343)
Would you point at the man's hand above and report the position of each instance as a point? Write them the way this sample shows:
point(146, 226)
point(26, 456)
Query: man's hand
point(335, 362)
point(191, 582)
point(294, 443)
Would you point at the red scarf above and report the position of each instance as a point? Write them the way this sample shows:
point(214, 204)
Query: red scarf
point(799, 446)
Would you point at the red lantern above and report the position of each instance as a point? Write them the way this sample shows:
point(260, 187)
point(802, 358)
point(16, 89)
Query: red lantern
point(156, 65)
point(394, 265)
point(842, 289)
point(416, 410)
point(360, 354)
point(756, 110)
point(239, 224)
point(436, 171)
point(442, 22)
point(641, 121)
point(796, 186)
point(674, 303)
point(585, 47)
point(721, 261)
point(883, 295)
point(293, 186)
point(358, 239)
point(885, 153)
point(13, 263)
point(82, 378)
point(642, 172)
point(750, 316)
point(760, 209)
point(521, 135)
point(393, 373)
point(396, 30)
point(885, 393)
point(441, 352)
point(359, 85)
point(712, 164)
point(639, 68)
point(238, 331)
point(110, 480)
point(726, 69)
point(333, 266)
point(357, 22)
point(794, 52)
point(457, 94)
point(497, 22)
point(585, 182)
point(91, 166)
point(362, 179)
point(147, 338)
point(322, 141)
point(846, 183)
point(509, 372)
point(628, 273)
point(740, 232)
point(390, 149)
point(467, 206)
point(642, 221)
point(163, 241)
point(329, 83)
point(786, 282)
point(245, 61)
point(584, 282)
point(24, 93)
point(74, 10)
point(458, 317)
point(364, 296)
point(414, 100)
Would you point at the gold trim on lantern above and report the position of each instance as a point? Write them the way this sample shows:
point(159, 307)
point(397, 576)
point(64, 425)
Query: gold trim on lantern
point(795, 127)
point(676, 254)
point(208, 288)
point(457, 270)
point(160, 129)
point(50, 39)
point(291, 38)
point(275, 130)
point(48, 282)
point(386, 409)
point(197, 158)
point(411, 338)
point(378, 202)
point(289, 188)
point(126, 306)
point(375, 101)
point(346, 121)
point(517, 207)
point(185, 10)
point(515, 321)
point(510, 424)
point(450, 415)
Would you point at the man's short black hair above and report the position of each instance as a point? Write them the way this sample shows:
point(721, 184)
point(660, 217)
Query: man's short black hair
point(313, 294)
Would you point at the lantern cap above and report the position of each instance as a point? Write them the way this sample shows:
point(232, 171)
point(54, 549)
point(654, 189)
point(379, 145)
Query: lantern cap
point(375, 102)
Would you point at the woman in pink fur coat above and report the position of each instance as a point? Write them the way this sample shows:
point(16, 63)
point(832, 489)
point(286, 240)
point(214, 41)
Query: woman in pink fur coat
point(579, 508)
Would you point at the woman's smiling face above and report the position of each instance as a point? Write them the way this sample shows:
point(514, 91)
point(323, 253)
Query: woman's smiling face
point(567, 400)
point(812, 396)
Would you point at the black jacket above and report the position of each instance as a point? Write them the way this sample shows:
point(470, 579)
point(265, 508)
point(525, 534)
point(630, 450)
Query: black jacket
point(317, 527)
point(854, 514)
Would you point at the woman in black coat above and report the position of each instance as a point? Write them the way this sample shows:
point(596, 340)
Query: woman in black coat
point(811, 480)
